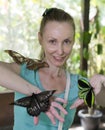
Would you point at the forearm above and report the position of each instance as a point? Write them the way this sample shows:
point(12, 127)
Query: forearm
point(102, 80)
point(13, 81)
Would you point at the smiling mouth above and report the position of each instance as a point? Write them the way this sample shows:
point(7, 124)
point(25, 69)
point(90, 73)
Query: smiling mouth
point(60, 59)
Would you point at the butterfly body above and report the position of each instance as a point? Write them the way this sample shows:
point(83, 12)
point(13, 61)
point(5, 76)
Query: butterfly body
point(36, 103)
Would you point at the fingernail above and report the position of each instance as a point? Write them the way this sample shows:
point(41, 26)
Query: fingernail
point(72, 107)
point(62, 120)
point(66, 112)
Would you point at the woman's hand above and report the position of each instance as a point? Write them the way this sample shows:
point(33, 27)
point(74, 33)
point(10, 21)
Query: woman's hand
point(97, 82)
point(52, 113)
point(77, 103)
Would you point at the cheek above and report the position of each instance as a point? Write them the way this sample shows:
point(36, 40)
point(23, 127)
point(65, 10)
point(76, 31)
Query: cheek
point(49, 49)
point(68, 50)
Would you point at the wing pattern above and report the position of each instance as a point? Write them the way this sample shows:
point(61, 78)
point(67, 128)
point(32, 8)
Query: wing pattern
point(32, 64)
point(36, 103)
point(86, 92)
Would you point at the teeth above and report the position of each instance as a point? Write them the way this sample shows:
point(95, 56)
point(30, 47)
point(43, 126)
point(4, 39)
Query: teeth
point(58, 58)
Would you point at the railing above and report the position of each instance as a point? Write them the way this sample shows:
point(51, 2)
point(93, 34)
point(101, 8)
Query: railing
point(6, 111)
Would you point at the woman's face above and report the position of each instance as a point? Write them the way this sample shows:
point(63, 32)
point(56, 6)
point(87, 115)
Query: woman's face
point(57, 41)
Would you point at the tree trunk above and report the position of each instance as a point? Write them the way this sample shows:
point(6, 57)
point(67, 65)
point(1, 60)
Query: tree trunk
point(84, 35)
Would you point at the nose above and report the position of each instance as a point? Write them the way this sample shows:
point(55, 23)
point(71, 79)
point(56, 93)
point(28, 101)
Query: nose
point(60, 49)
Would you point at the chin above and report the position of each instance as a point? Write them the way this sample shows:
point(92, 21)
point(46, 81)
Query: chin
point(59, 64)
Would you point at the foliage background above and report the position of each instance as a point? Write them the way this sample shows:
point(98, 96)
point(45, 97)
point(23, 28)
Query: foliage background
point(19, 25)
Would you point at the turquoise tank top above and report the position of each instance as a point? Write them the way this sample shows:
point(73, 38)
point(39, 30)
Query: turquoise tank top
point(23, 121)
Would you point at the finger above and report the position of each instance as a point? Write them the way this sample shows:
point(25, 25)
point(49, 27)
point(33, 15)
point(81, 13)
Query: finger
point(60, 107)
point(61, 100)
point(36, 120)
point(51, 117)
point(77, 103)
point(55, 113)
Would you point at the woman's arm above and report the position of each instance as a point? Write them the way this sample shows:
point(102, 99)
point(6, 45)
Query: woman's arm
point(11, 79)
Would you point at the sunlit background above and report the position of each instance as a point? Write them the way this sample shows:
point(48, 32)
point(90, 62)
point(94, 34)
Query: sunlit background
point(19, 25)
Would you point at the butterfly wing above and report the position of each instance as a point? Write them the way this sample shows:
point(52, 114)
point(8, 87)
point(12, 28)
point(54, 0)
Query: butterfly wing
point(83, 87)
point(44, 106)
point(90, 98)
point(83, 84)
point(86, 92)
point(18, 58)
point(36, 106)
point(45, 95)
point(36, 103)
point(40, 103)
point(35, 64)
point(24, 102)
point(32, 64)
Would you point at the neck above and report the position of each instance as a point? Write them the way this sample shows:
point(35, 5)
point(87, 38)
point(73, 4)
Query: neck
point(55, 71)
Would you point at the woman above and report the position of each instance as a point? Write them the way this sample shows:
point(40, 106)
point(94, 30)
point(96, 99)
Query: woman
point(56, 37)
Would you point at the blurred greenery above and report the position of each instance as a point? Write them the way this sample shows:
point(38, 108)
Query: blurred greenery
point(19, 25)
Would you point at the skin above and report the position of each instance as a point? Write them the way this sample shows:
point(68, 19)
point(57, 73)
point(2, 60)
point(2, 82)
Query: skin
point(57, 41)
point(97, 81)
point(10, 79)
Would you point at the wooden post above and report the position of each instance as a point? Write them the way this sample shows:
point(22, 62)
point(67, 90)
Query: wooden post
point(85, 36)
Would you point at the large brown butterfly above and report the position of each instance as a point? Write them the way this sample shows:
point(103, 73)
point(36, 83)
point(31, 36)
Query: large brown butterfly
point(36, 103)
point(32, 64)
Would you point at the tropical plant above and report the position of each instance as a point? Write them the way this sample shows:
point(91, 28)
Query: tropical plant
point(90, 118)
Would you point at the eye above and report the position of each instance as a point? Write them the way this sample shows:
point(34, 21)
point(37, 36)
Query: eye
point(52, 41)
point(67, 41)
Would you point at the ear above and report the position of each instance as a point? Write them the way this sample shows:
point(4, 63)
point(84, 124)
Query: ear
point(40, 38)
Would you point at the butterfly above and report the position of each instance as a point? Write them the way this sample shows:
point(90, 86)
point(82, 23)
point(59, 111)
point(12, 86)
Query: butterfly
point(31, 64)
point(36, 103)
point(86, 92)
